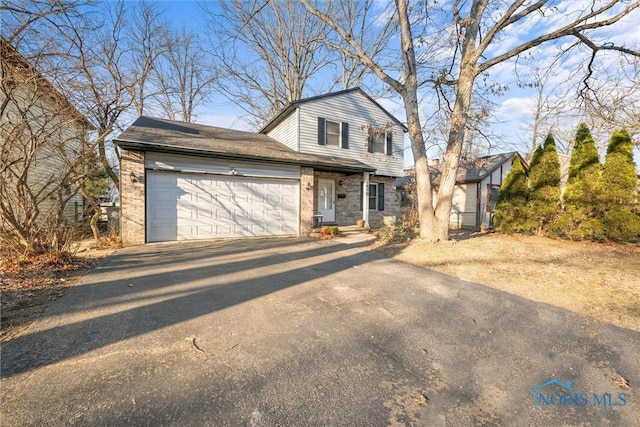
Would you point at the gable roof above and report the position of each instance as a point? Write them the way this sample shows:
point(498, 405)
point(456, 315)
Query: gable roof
point(154, 134)
point(293, 105)
point(10, 55)
point(477, 169)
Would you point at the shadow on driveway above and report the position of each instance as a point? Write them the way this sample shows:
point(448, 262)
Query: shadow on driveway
point(190, 279)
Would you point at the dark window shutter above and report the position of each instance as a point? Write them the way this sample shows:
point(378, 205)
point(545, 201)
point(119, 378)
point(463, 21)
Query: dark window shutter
point(380, 196)
point(345, 135)
point(389, 143)
point(370, 144)
point(361, 188)
point(321, 138)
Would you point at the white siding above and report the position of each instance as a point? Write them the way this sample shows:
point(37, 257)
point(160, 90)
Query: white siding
point(357, 110)
point(194, 164)
point(463, 206)
point(287, 131)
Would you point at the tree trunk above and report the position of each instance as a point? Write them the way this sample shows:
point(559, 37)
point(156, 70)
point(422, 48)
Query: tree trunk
point(454, 150)
point(94, 224)
point(459, 119)
point(423, 181)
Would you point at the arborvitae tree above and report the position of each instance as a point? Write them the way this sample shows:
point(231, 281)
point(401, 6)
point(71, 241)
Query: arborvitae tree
point(510, 214)
point(544, 187)
point(619, 180)
point(582, 216)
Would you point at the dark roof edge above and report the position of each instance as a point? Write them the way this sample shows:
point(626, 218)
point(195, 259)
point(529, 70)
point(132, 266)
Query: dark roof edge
point(294, 104)
point(146, 146)
point(490, 171)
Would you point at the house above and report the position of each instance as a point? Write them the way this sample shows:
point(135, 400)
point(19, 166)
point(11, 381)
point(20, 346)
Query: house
point(42, 141)
point(476, 191)
point(332, 158)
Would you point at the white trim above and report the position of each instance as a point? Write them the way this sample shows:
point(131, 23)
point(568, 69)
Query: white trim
point(365, 198)
point(333, 198)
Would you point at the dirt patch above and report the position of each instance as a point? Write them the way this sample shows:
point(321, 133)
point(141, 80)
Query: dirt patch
point(597, 280)
point(29, 286)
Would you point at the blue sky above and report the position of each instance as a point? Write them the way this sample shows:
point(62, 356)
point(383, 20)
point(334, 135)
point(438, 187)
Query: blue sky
point(511, 116)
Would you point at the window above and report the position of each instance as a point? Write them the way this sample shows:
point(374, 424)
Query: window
point(381, 142)
point(376, 196)
point(373, 197)
point(492, 199)
point(333, 133)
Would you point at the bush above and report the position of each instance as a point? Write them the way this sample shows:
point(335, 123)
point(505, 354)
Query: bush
point(621, 224)
point(573, 226)
point(510, 213)
point(328, 231)
point(398, 232)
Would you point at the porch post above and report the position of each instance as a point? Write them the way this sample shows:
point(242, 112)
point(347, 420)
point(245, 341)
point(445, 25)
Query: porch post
point(365, 199)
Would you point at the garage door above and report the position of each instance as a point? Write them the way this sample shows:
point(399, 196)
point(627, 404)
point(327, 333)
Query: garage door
point(182, 206)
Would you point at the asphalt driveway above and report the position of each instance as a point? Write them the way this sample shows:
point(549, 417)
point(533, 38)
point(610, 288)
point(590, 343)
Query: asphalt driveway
point(279, 332)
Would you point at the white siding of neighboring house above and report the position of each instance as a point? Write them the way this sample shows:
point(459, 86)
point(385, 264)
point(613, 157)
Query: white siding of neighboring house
point(357, 110)
point(463, 206)
point(287, 131)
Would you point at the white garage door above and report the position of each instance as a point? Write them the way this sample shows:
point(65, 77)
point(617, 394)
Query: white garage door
point(182, 206)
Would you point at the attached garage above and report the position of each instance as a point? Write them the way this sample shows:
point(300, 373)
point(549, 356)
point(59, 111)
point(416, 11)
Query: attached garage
point(185, 181)
point(191, 198)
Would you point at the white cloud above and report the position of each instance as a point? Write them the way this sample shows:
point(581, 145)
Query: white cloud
point(516, 109)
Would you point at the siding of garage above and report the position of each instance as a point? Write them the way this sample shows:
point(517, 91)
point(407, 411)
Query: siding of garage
point(135, 192)
point(194, 164)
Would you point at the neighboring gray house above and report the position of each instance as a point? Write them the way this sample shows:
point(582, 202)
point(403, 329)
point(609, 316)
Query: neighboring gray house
point(476, 191)
point(42, 141)
point(328, 156)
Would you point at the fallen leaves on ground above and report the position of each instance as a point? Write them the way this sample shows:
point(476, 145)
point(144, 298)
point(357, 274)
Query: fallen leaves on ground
point(29, 285)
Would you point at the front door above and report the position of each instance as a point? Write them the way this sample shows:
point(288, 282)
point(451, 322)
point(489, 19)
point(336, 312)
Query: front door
point(326, 199)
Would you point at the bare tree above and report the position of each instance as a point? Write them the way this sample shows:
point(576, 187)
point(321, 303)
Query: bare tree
point(266, 53)
point(42, 158)
point(481, 28)
point(372, 34)
point(113, 72)
point(185, 77)
point(146, 36)
point(614, 103)
point(269, 52)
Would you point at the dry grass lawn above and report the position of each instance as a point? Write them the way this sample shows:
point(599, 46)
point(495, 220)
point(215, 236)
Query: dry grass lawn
point(597, 280)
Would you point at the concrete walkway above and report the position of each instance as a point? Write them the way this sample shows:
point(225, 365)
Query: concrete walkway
point(278, 332)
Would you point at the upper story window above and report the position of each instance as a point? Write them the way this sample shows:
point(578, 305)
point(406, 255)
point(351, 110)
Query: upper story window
point(380, 142)
point(333, 133)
